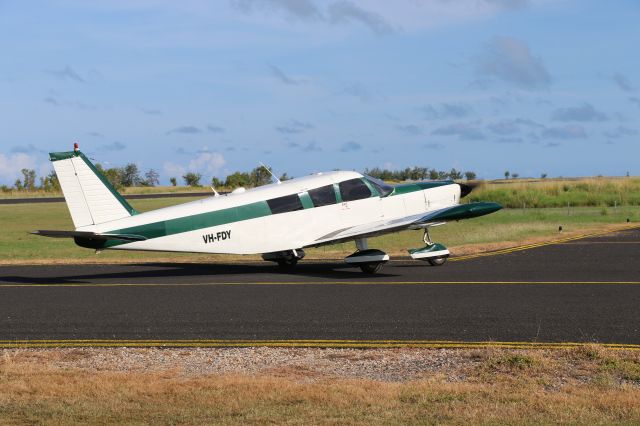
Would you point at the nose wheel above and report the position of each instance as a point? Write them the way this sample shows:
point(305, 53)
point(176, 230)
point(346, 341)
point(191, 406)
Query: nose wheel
point(437, 261)
point(434, 253)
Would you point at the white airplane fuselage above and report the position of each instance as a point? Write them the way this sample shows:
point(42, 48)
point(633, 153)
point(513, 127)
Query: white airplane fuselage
point(241, 223)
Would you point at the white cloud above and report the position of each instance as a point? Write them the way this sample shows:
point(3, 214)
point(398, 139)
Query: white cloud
point(10, 166)
point(172, 169)
point(206, 163)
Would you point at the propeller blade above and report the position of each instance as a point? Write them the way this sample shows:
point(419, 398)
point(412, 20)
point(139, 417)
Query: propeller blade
point(467, 188)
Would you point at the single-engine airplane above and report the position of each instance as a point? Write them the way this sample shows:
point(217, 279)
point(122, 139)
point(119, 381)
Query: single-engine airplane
point(277, 220)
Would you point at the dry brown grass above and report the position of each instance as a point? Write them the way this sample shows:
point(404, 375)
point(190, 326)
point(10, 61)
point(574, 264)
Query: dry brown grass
point(595, 191)
point(588, 385)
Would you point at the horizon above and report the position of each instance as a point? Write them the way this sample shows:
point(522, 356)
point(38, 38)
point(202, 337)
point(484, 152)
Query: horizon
point(529, 86)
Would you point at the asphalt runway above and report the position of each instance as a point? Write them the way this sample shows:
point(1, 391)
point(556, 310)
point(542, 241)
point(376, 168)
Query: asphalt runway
point(577, 291)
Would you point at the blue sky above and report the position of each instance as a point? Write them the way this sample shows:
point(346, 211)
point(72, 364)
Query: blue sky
point(530, 86)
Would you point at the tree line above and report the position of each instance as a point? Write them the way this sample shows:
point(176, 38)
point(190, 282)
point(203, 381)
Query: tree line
point(418, 173)
point(119, 177)
point(48, 183)
point(130, 175)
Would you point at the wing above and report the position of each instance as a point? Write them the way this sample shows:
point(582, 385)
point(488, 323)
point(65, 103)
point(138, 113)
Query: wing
point(436, 217)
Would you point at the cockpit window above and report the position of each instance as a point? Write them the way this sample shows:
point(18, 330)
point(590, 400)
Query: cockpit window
point(354, 189)
point(383, 188)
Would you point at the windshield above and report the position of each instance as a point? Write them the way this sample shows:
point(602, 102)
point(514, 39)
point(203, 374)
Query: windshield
point(383, 188)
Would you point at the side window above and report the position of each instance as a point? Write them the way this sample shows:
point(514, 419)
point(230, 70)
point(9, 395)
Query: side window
point(354, 189)
point(323, 196)
point(288, 203)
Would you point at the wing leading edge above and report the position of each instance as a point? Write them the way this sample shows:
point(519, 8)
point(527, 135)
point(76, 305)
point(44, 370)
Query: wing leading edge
point(458, 212)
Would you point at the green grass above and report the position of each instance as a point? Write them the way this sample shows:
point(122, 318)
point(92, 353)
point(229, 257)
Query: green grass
point(590, 192)
point(510, 225)
point(19, 219)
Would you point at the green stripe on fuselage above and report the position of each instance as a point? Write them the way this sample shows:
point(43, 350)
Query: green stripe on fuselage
point(185, 224)
point(406, 188)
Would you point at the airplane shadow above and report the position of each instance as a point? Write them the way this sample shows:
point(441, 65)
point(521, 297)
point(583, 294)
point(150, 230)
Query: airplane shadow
point(193, 273)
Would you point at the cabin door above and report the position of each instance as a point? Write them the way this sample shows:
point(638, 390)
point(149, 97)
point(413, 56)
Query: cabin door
point(358, 206)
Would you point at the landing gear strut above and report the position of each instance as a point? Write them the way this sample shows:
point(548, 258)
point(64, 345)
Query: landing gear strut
point(426, 237)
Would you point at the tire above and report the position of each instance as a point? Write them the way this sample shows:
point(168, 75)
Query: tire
point(371, 268)
point(438, 261)
point(287, 264)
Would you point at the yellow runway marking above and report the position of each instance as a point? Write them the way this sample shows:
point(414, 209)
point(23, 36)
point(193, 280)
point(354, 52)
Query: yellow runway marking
point(216, 343)
point(93, 285)
point(542, 244)
point(599, 242)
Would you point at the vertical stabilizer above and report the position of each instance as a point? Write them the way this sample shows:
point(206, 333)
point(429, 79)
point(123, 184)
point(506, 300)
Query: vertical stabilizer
point(89, 195)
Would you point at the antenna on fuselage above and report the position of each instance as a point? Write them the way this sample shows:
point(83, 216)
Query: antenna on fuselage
point(270, 172)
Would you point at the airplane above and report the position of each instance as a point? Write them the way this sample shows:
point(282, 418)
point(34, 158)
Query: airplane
point(278, 220)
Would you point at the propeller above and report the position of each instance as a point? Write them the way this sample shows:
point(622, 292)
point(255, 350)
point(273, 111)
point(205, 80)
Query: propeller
point(467, 188)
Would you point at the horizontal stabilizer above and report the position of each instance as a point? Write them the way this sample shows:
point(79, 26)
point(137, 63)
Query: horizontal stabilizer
point(89, 235)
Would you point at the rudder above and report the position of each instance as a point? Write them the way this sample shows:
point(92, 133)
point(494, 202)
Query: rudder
point(90, 197)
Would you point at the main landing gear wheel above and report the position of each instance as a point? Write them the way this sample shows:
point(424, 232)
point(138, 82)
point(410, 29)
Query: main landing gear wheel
point(368, 260)
point(286, 260)
point(287, 264)
point(439, 261)
point(371, 268)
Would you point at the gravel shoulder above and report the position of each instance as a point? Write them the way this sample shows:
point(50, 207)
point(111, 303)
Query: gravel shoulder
point(584, 385)
point(579, 365)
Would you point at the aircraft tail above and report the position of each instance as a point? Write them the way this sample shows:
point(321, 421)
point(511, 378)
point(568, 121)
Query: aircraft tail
point(90, 197)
